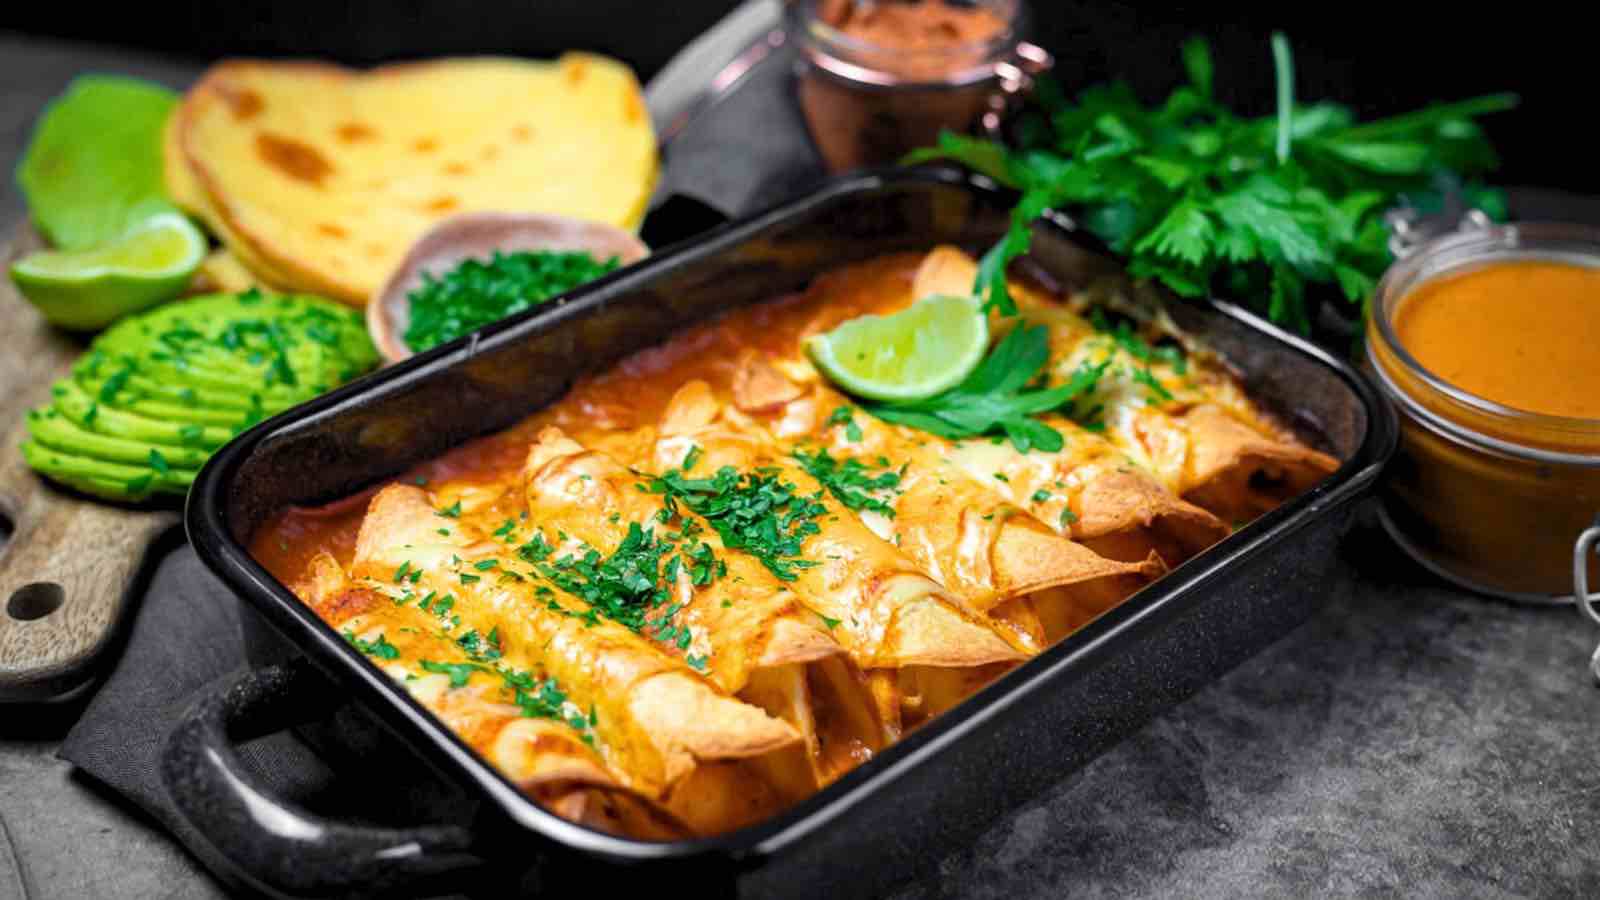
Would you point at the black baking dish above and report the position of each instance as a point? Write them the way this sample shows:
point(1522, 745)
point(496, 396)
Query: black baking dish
point(919, 798)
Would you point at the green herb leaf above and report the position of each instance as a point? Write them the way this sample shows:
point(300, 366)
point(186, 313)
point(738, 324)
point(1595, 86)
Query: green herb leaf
point(996, 397)
point(381, 648)
point(459, 672)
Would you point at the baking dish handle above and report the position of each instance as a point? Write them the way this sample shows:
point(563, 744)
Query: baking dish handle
point(271, 845)
point(678, 217)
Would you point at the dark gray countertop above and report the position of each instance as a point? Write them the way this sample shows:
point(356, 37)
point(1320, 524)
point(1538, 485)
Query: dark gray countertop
point(1409, 740)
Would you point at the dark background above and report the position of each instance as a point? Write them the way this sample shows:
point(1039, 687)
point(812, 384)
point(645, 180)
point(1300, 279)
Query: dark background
point(1380, 57)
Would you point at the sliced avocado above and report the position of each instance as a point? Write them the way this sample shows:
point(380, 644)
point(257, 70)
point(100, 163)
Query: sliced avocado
point(134, 387)
point(57, 432)
point(182, 413)
point(116, 481)
point(161, 368)
point(85, 412)
point(280, 346)
point(160, 390)
point(294, 371)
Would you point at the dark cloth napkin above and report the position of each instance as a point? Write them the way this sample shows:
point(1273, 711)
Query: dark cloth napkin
point(185, 638)
point(746, 152)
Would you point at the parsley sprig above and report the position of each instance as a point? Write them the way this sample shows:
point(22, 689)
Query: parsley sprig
point(1203, 200)
point(1003, 395)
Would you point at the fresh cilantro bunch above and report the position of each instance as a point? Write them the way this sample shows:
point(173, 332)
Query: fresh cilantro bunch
point(1205, 200)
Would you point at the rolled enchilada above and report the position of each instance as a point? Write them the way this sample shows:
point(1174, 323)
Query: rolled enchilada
point(1179, 415)
point(653, 720)
point(724, 612)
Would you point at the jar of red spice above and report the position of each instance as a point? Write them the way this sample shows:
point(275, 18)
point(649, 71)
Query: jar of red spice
point(877, 80)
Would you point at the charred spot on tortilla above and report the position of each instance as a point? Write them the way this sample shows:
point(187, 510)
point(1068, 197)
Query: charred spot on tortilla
point(353, 132)
point(242, 102)
point(293, 158)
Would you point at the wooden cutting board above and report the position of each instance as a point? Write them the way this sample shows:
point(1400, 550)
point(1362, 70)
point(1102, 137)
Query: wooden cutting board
point(69, 569)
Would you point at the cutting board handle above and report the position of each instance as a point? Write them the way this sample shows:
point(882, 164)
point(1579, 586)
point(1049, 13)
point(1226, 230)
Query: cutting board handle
point(65, 576)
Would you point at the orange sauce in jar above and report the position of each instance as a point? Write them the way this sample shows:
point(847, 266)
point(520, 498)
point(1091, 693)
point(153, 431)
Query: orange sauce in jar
point(1488, 343)
point(1522, 334)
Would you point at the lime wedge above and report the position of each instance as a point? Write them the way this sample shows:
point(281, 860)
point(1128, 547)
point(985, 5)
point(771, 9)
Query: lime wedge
point(88, 289)
point(915, 353)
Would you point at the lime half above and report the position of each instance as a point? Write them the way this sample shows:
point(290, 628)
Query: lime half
point(88, 289)
point(912, 354)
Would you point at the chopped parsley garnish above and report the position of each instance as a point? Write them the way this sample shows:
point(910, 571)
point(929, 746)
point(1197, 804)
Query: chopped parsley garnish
point(478, 292)
point(453, 511)
point(458, 672)
point(754, 512)
point(1123, 336)
point(478, 649)
point(1002, 395)
point(114, 384)
point(537, 698)
point(845, 416)
point(702, 565)
point(484, 565)
point(535, 550)
point(1041, 496)
point(469, 578)
point(544, 699)
point(1068, 517)
point(381, 648)
point(851, 482)
point(1157, 392)
point(506, 529)
point(622, 587)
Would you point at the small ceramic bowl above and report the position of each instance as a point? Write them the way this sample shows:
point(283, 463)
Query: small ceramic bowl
point(477, 235)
